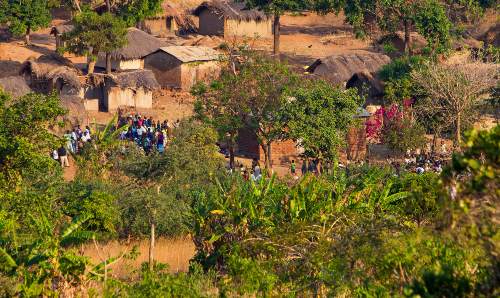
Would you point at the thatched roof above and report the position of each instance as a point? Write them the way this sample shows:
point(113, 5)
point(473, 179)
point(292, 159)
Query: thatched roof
point(169, 9)
point(191, 53)
point(231, 10)
point(140, 78)
point(61, 29)
point(52, 67)
point(16, 86)
point(337, 69)
point(139, 45)
point(9, 68)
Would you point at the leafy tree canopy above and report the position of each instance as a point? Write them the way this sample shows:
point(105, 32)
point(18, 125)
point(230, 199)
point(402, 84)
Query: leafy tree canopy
point(320, 115)
point(24, 16)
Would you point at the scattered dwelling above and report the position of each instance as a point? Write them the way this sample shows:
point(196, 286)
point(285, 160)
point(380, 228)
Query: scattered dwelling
point(53, 72)
point(169, 21)
point(139, 45)
point(58, 31)
point(182, 66)
point(229, 19)
point(15, 86)
point(352, 70)
point(356, 137)
point(133, 88)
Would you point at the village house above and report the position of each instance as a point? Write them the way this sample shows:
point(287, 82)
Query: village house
point(181, 67)
point(229, 19)
point(132, 88)
point(53, 72)
point(169, 21)
point(358, 70)
point(131, 56)
point(58, 32)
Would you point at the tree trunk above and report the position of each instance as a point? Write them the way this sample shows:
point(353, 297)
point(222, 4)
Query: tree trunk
point(231, 154)
point(265, 148)
point(407, 37)
point(108, 63)
point(77, 5)
point(27, 36)
point(458, 132)
point(91, 66)
point(276, 32)
point(108, 6)
point(152, 245)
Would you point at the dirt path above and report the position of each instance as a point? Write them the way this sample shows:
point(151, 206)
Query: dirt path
point(69, 173)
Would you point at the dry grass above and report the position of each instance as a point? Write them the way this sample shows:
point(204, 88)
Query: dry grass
point(174, 252)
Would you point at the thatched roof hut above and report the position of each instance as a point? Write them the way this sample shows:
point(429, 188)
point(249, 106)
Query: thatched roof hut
point(134, 79)
point(139, 45)
point(171, 20)
point(227, 18)
point(15, 85)
point(368, 84)
point(52, 71)
point(231, 10)
point(338, 69)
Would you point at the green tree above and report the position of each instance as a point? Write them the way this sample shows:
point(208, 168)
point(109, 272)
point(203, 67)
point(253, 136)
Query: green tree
point(269, 88)
point(134, 11)
point(320, 116)
point(94, 34)
point(277, 8)
point(427, 16)
point(25, 16)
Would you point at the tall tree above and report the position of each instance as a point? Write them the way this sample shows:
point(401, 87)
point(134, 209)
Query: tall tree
point(269, 85)
point(277, 8)
point(25, 16)
point(427, 16)
point(94, 34)
point(453, 92)
point(320, 116)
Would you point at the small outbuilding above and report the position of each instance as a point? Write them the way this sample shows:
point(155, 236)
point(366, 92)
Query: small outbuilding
point(171, 20)
point(230, 19)
point(131, 56)
point(181, 67)
point(53, 72)
point(133, 88)
point(58, 32)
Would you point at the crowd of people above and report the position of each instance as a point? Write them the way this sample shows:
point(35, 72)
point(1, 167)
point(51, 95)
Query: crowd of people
point(147, 133)
point(75, 140)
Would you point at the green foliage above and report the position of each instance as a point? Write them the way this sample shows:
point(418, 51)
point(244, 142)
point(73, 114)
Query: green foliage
point(396, 75)
point(95, 200)
point(404, 134)
point(431, 21)
point(134, 11)
point(24, 16)
point(160, 283)
point(319, 117)
point(101, 33)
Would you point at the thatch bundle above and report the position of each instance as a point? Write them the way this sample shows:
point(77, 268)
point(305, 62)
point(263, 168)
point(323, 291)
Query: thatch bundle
point(338, 69)
point(139, 45)
point(15, 85)
point(231, 10)
point(52, 67)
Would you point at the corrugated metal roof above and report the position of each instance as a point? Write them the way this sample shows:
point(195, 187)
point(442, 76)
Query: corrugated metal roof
point(191, 53)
